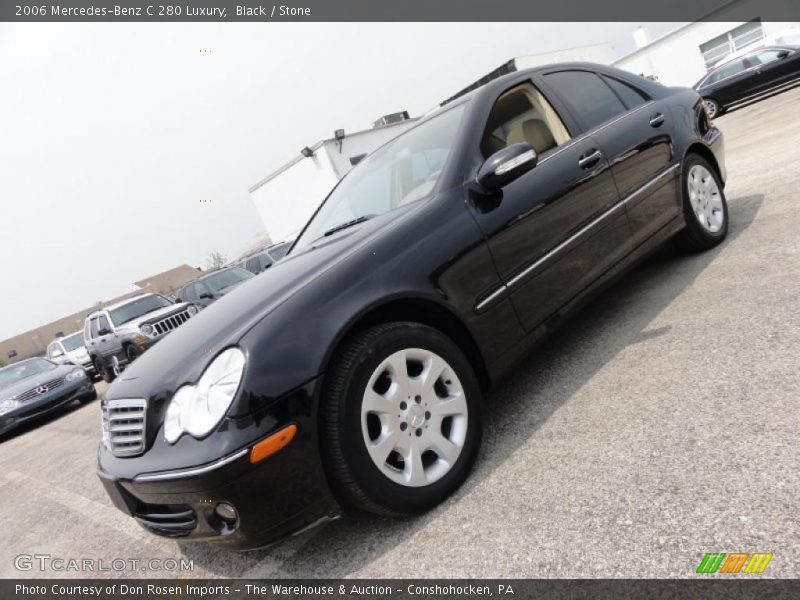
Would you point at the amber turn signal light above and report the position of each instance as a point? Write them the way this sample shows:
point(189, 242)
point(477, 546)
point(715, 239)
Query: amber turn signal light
point(269, 446)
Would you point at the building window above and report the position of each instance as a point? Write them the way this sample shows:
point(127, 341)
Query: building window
point(747, 34)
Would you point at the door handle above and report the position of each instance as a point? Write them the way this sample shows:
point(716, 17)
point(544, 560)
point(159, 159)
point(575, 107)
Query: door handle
point(657, 120)
point(590, 159)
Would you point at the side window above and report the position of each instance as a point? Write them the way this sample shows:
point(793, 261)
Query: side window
point(728, 70)
point(102, 323)
point(93, 327)
point(264, 261)
point(86, 333)
point(188, 294)
point(587, 94)
point(764, 57)
point(201, 290)
point(523, 114)
point(629, 95)
point(252, 265)
point(50, 350)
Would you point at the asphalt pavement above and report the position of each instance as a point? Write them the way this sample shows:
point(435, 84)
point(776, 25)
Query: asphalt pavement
point(660, 424)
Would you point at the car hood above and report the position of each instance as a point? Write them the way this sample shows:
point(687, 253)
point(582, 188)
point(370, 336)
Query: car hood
point(182, 356)
point(34, 380)
point(155, 315)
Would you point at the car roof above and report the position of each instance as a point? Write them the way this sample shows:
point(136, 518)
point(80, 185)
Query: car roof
point(208, 274)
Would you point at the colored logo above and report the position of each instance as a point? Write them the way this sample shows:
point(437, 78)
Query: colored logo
point(737, 562)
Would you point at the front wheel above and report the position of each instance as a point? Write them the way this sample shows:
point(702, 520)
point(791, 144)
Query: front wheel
point(401, 422)
point(705, 209)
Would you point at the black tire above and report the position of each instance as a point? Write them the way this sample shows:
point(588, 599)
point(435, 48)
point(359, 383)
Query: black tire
point(104, 370)
point(132, 353)
point(695, 237)
point(356, 480)
point(714, 110)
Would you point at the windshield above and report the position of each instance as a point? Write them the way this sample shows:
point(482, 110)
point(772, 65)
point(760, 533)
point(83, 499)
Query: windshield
point(401, 172)
point(14, 373)
point(137, 308)
point(73, 342)
point(226, 278)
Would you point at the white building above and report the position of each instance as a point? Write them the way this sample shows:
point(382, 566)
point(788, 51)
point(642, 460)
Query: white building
point(684, 55)
point(286, 198)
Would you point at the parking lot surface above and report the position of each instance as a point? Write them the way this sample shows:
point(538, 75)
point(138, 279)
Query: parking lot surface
point(659, 425)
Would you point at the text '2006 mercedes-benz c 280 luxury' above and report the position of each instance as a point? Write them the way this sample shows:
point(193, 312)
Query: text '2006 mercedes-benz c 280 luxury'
point(350, 374)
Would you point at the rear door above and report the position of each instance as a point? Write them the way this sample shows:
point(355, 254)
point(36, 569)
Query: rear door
point(732, 82)
point(637, 143)
point(773, 66)
point(105, 336)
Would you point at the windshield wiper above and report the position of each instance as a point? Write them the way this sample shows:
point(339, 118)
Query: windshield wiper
point(347, 224)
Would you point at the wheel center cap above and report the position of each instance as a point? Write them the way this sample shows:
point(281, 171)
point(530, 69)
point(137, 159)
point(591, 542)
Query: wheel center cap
point(416, 416)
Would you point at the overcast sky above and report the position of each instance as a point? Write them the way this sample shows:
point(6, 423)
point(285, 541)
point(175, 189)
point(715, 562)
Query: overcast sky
point(125, 150)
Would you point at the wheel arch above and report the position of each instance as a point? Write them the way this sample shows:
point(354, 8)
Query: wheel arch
point(704, 151)
point(418, 310)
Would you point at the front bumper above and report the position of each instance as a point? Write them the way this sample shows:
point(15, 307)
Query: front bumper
point(32, 409)
point(274, 498)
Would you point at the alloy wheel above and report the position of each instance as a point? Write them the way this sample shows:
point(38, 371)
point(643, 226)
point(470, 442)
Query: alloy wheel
point(414, 417)
point(711, 108)
point(115, 366)
point(705, 198)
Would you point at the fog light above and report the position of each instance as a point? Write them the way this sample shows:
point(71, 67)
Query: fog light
point(226, 512)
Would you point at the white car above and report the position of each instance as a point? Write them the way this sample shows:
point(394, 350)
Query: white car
point(70, 350)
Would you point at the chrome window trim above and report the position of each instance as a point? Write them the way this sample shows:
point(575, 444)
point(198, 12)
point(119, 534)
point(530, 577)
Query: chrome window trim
point(527, 271)
point(194, 471)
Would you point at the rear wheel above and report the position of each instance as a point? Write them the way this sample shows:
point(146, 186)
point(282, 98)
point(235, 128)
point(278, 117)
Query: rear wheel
point(713, 109)
point(107, 371)
point(704, 206)
point(401, 419)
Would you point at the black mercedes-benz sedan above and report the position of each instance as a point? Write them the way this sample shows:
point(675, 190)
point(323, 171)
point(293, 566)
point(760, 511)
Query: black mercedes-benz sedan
point(748, 76)
point(36, 386)
point(350, 375)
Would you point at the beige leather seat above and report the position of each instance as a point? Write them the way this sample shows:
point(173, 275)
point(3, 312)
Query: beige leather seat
point(535, 132)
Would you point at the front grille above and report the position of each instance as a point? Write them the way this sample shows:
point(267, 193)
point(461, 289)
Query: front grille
point(124, 426)
point(171, 322)
point(169, 521)
point(41, 389)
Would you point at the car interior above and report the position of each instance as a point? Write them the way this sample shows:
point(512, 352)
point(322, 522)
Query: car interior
point(522, 114)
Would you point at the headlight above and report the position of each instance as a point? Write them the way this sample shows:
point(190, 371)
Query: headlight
point(8, 405)
point(197, 409)
point(146, 329)
point(76, 374)
point(192, 309)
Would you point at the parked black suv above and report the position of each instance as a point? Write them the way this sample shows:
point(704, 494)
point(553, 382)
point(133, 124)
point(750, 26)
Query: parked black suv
point(213, 286)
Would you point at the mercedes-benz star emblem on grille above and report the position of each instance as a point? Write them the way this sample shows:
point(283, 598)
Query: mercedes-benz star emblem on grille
point(41, 389)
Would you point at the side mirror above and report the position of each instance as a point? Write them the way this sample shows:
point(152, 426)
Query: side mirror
point(104, 331)
point(206, 297)
point(505, 165)
point(783, 54)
